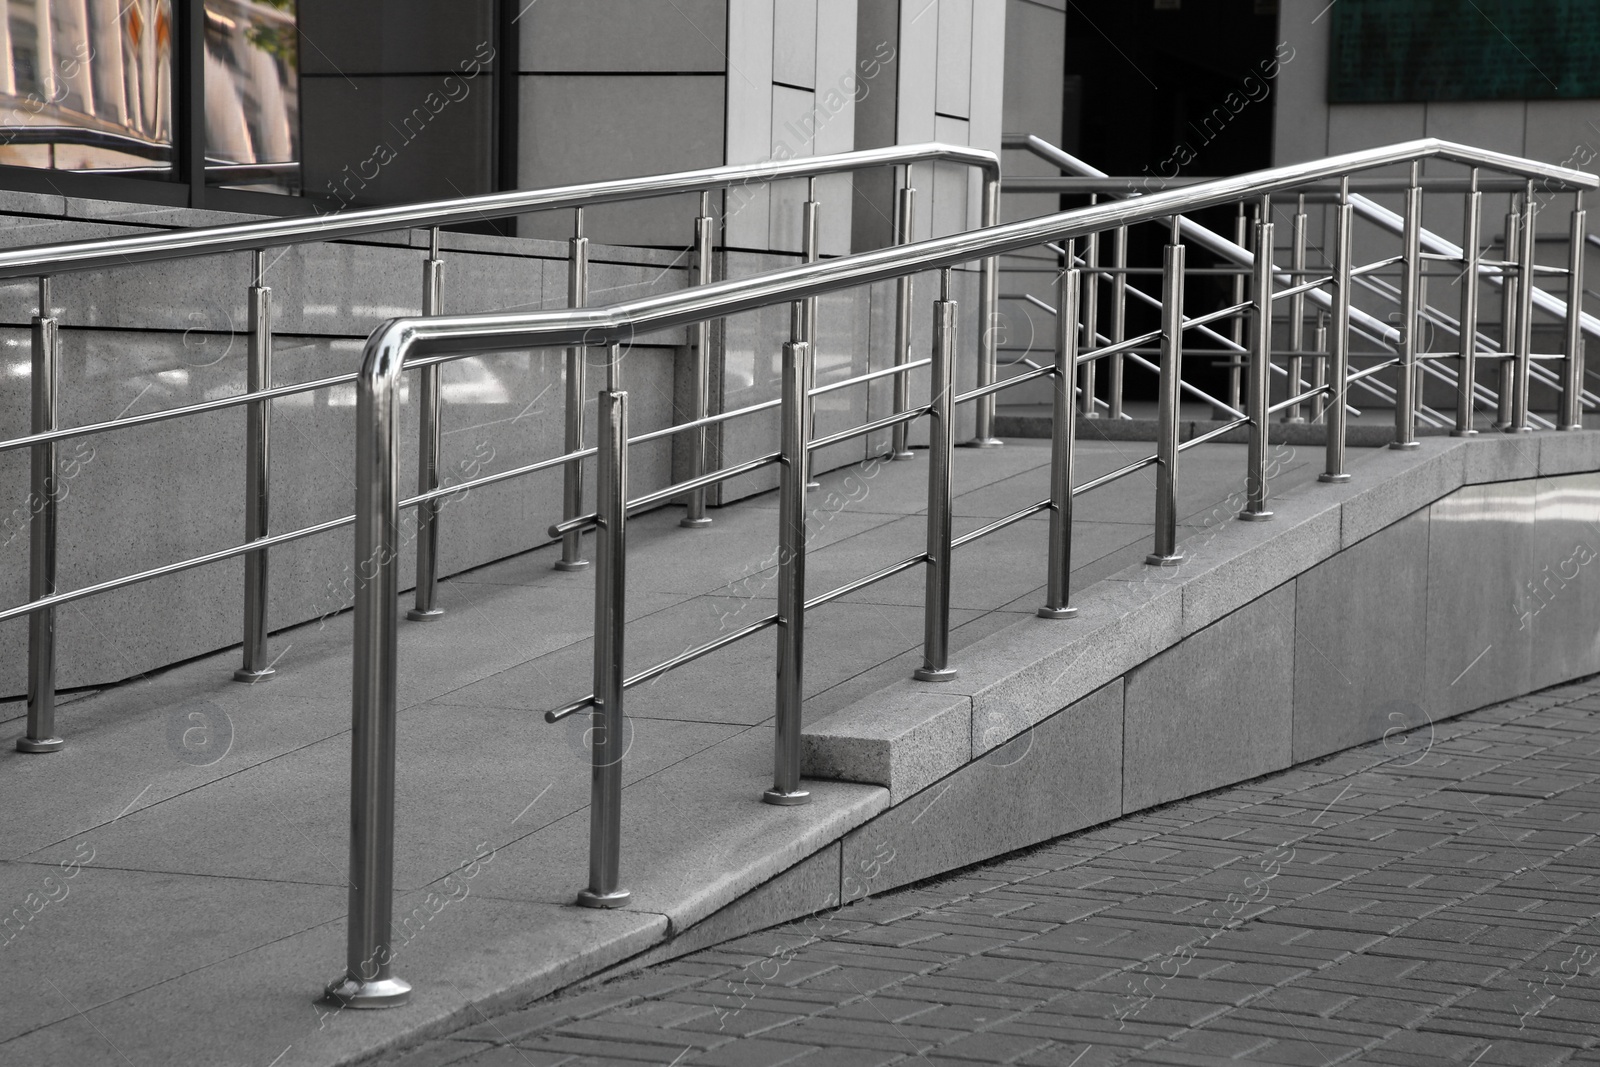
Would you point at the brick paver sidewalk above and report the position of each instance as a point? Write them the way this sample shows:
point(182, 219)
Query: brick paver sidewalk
point(1427, 899)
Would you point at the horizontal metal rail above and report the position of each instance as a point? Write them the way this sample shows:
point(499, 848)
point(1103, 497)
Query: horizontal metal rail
point(1195, 442)
point(587, 522)
point(1121, 472)
point(858, 379)
point(1000, 524)
point(709, 420)
point(868, 427)
point(872, 579)
point(668, 665)
point(172, 413)
point(252, 236)
point(995, 387)
point(1320, 390)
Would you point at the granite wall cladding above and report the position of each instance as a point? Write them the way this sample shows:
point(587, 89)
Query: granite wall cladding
point(1483, 595)
point(146, 337)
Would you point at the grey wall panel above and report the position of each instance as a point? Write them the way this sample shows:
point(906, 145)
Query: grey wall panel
point(953, 81)
point(397, 138)
point(624, 35)
point(1559, 600)
point(1480, 553)
point(1360, 629)
point(793, 128)
point(1190, 727)
point(654, 124)
point(838, 84)
point(351, 37)
point(794, 43)
point(1060, 775)
point(749, 116)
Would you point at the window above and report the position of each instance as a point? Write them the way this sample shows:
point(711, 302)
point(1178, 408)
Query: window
point(87, 85)
point(252, 90)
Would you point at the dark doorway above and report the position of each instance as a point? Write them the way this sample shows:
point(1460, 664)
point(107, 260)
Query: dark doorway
point(1163, 88)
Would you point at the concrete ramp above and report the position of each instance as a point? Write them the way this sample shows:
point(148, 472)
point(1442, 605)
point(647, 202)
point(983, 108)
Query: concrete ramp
point(205, 900)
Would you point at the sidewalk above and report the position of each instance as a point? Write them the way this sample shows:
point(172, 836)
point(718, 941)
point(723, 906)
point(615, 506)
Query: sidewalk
point(1427, 899)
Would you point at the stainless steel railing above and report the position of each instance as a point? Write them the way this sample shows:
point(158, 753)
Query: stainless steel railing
point(1083, 178)
point(422, 343)
point(45, 261)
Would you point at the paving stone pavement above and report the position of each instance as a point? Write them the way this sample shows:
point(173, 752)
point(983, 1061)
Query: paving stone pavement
point(1425, 899)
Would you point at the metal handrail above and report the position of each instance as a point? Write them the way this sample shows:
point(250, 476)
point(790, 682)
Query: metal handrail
point(67, 256)
point(1385, 335)
point(410, 343)
point(48, 260)
point(438, 339)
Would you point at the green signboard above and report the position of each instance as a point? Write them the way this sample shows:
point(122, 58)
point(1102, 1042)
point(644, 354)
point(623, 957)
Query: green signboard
point(1397, 50)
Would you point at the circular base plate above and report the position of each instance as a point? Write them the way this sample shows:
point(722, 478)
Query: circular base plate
point(928, 674)
point(1463, 433)
point(614, 899)
point(347, 992)
point(571, 564)
point(982, 442)
point(812, 487)
point(786, 800)
point(1326, 477)
point(242, 675)
point(49, 744)
point(1576, 427)
point(425, 616)
point(1297, 421)
point(1154, 560)
point(1057, 613)
point(1404, 446)
point(903, 455)
point(1523, 429)
point(1088, 414)
point(694, 524)
point(1255, 516)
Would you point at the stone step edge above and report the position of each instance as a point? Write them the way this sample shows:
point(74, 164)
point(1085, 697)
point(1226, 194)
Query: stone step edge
point(910, 734)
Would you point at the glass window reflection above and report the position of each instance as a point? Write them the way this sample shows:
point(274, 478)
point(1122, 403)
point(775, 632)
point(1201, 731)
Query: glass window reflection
point(87, 85)
point(252, 95)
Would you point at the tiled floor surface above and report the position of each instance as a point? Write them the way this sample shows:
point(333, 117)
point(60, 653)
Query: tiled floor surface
point(1429, 898)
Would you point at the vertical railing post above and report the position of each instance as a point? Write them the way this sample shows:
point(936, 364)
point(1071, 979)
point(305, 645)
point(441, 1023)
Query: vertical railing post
point(609, 742)
point(257, 472)
point(695, 516)
point(1297, 313)
point(1509, 279)
point(904, 220)
point(572, 475)
point(1058, 574)
point(368, 981)
point(1319, 367)
point(1166, 552)
point(1524, 350)
point(41, 733)
point(795, 438)
point(1467, 376)
point(809, 323)
point(1089, 313)
point(1236, 329)
point(1405, 392)
point(1338, 341)
point(936, 602)
point(1119, 319)
point(428, 437)
point(1255, 508)
point(1572, 367)
point(989, 326)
